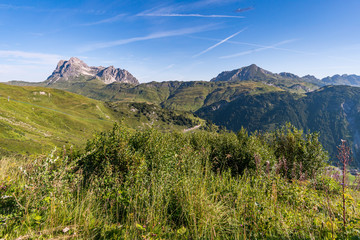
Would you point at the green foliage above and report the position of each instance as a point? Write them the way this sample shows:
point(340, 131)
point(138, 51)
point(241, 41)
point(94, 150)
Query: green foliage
point(108, 157)
point(264, 102)
point(154, 185)
point(287, 150)
point(331, 111)
point(299, 154)
point(239, 152)
point(153, 115)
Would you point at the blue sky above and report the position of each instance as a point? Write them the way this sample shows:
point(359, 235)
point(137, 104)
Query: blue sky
point(180, 40)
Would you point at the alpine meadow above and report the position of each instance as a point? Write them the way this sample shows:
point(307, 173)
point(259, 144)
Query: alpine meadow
point(204, 119)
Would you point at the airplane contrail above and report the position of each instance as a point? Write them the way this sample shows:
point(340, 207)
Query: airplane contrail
point(240, 10)
point(219, 43)
point(186, 15)
point(258, 49)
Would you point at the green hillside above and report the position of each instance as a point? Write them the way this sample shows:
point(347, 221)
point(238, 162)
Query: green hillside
point(189, 95)
point(332, 111)
point(186, 96)
point(250, 96)
point(35, 119)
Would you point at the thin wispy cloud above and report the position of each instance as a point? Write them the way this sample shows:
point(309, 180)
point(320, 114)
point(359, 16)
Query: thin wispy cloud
point(168, 67)
point(29, 57)
point(241, 10)
point(275, 47)
point(186, 15)
point(255, 45)
point(219, 43)
point(107, 20)
point(156, 72)
point(258, 49)
point(205, 3)
point(189, 6)
point(176, 9)
point(37, 8)
point(14, 7)
point(157, 35)
point(29, 66)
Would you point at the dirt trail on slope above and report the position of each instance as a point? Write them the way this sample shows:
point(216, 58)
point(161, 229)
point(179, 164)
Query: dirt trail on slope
point(193, 128)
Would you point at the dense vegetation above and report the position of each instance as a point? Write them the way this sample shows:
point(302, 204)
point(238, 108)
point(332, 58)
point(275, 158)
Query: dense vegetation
point(332, 111)
point(262, 102)
point(202, 185)
point(35, 119)
point(173, 95)
point(250, 97)
point(135, 113)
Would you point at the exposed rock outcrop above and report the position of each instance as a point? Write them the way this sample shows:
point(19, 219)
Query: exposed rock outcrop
point(74, 67)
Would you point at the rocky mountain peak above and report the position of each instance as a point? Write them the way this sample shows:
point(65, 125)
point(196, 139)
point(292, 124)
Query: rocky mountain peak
point(288, 75)
point(75, 60)
point(312, 77)
point(68, 70)
point(251, 72)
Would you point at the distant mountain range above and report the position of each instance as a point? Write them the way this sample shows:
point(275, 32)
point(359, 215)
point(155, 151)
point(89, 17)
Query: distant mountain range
point(256, 73)
point(74, 69)
point(351, 80)
point(249, 96)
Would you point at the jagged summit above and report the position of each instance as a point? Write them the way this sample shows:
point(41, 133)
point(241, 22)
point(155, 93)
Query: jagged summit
point(345, 79)
point(289, 75)
point(251, 72)
point(74, 67)
point(255, 73)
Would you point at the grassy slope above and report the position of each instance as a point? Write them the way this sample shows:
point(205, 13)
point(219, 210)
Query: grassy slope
point(194, 95)
point(153, 92)
point(186, 96)
point(36, 119)
point(141, 116)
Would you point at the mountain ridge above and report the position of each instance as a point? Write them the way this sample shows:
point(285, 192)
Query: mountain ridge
point(250, 96)
point(67, 70)
point(74, 68)
point(255, 73)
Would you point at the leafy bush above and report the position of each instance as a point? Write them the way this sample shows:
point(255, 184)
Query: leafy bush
point(239, 152)
point(151, 185)
point(108, 157)
point(299, 154)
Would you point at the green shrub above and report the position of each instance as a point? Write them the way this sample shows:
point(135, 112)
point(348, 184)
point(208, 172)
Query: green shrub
point(151, 185)
point(299, 154)
point(108, 157)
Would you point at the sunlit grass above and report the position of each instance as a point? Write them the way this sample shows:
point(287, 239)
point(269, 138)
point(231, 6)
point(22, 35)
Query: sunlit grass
point(167, 189)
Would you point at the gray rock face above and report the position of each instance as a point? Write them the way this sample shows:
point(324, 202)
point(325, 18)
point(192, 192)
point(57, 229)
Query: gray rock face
point(111, 74)
point(74, 67)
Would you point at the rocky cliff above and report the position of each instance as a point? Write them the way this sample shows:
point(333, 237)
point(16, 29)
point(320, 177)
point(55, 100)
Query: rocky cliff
point(74, 67)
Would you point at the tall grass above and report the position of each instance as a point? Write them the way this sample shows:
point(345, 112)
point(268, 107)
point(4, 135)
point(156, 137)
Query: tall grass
point(149, 185)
